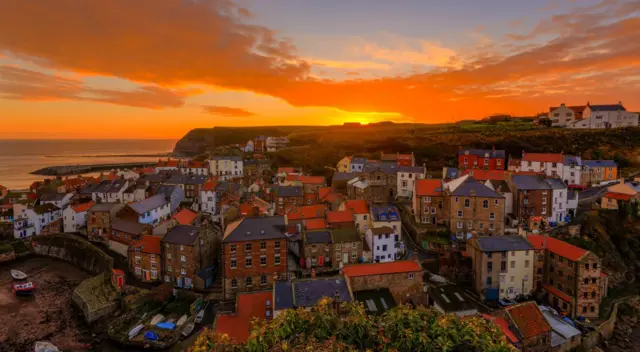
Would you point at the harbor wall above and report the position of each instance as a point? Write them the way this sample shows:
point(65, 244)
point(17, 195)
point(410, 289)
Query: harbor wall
point(74, 250)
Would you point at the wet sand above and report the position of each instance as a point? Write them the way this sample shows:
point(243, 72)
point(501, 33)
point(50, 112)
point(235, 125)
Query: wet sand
point(48, 314)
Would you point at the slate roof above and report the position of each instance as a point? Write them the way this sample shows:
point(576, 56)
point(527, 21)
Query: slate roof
point(149, 204)
point(376, 302)
point(313, 237)
point(152, 178)
point(528, 319)
point(556, 183)
point(451, 172)
point(599, 163)
point(182, 234)
point(104, 207)
point(307, 292)
point(388, 167)
point(231, 157)
point(166, 190)
point(385, 213)
point(572, 159)
point(342, 176)
point(180, 179)
point(345, 235)
point(52, 197)
point(117, 186)
point(412, 169)
point(470, 185)
point(451, 298)
point(261, 228)
point(482, 153)
point(503, 243)
point(358, 160)
point(607, 107)
point(289, 191)
point(561, 331)
point(530, 182)
point(45, 208)
point(128, 226)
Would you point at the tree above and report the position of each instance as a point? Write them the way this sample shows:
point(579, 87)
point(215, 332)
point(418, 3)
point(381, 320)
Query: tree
point(399, 329)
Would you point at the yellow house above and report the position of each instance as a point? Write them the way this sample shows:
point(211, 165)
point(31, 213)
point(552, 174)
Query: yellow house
point(344, 165)
point(621, 192)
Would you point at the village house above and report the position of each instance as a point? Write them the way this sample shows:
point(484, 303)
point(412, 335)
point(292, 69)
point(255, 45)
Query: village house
point(386, 216)
point(384, 243)
point(134, 193)
point(75, 217)
point(124, 232)
point(167, 165)
point(274, 144)
point(526, 321)
point(347, 247)
point(361, 214)
point(375, 185)
point(474, 207)
point(406, 177)
point(403, 278)
point(260, 144)
point(615, 200)
point(144, 258)
point(502, 266)
point(152, 210)
point(564, 336)
point(110, 191)
point(572, 172)
point(300, 215)
point(283, 172)
point(286, 197)
point(502, 188)
point(330, 198)
point(562, 116)
point(190, 184)
point(341, 219)
point(344, 165)
point(99, 220)
point(208, 198)
point(186, 250)
point(532, 196)
point(596, 172)
point(451, 299)
point(194, 167)
point(43, 219)
point(429, 202)
point(254, 249)
point(357, 164)
point(256, 168)
point(317, 245)
point(559, 193)
point(306, 293)
point(249, 147)
point(407, 160)
point(550, 164)
point(174, 194)
point(481, 159)
point(226, 167)
point(571, 277)
point(606, 116)
point(60, 200)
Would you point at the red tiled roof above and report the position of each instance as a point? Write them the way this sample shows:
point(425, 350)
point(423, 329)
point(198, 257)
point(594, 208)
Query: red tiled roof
point(287, 170)
point(339, 216)
point(168, 163)
point(483, 175)
point(291, 178)
point(528, 319)
point(311, 180)
point(245, 208)
point(556, 292)
point(557, 247)
point(577, 109)
point(504, 326)
point(148, 244)
point(185, 216)
point(209, 186)
point(249, 306)
point(197, 164)
point(307, 212)
point(514, 162)
point(79, 208)
point(398, 266)
point(316, 224)
point(618, 196)
point(323, 192)
point(543, 157)
point(357, 206)
point(404, 156)
point(429, 188)
point(111, 177)
point(147, 170)
point(74, 182)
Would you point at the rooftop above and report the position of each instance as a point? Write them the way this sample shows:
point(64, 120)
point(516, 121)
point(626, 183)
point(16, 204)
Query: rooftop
point(470, 187)
point(250, 229)
point(451, 298)
point(288, 191)
point(599, 163)
point(185, 216)
point(385, 213)
point(104, 206)
point(608, 107)
point(396, 267)
point(528, 319)
point(82, 207)
point(376, 302)
point(345, 235)
point(431, 188)
point(543, 157)
point(316, 224)
point(618, 196)
point(45, 208)
point(339, 216)
point(306, 212)
point(314, 237)
point(181, 234)
point(484, 175)
point(307, 292)
point(503, 243)
point(148, 244)
point(249, 306)
point(149, 204)
point(128, 226)
point(230, 157)
point(357, 206)
point(557, 247)
point(483, 153)
point(561, 330)
point(530, 182)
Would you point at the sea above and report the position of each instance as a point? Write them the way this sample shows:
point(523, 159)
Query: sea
point(20, 157)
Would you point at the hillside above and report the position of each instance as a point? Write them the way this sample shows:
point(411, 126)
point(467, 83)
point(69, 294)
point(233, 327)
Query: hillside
point(433, 145)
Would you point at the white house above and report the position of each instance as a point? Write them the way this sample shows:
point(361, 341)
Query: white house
point(572, 171)
point(152, 210)
point(110, 191)
point(128, 174)
point(75, 217)
point(384, 243)
point(60, 200)
point(134, 193)
point(41, 219)
point(563, 115)
point(226, 167)
point(406, 177)
point(208, 198)
point(551, 164)
point(276, 143)
point(386, 215)
point(606, 116)
point(167, 165)
point(248, 148)
point(502, 188)
point(558, 200)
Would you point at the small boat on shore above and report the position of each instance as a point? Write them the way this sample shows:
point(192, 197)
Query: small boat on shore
point(44, 346)
point(23, 289)
point(135, 331)
point(18, 275)
point(199, 316)
point(158, 318)
point(181, 321)
point(188, 329)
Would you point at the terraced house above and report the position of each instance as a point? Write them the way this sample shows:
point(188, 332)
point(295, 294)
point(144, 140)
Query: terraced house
point(152, 210)
point(186, 250)
point(286, 197)
point(430, 205)
point(226, 167)
point(144, 258)
point(488, 159)
point(254, 254)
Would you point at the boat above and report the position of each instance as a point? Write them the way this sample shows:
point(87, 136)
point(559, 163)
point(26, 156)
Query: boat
point(150, 335)
point(24, 288)
point(133, 332)
point(156, 319)
point(18, 275)
point(188, 329)
point(44, 346)
point(181, 321)
point(166, 325)
point(199, 316)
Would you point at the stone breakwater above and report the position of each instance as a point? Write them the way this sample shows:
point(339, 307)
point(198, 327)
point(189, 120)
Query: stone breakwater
point(65, 170)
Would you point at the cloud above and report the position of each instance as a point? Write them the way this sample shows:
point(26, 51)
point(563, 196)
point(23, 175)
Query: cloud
point(22, 84)
point(226, 111)
point(394, 49)
point(349, 65)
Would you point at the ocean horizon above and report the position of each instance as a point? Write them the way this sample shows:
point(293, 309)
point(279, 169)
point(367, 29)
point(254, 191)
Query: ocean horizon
point(19, 157)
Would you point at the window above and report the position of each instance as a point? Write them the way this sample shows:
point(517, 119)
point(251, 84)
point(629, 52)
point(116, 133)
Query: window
point(489, 280)
point(467, 203)
point(354, 255)
point(513, 264)
point(183, 258)
point(457, 199)
point(433, 210)
point(586, 281)
point(526, 263)
point(486, 162)
point(169, 268)
point(263, 280)
point(489, 255)
point(233, 263)
point(584, 309)
point(492, 216)
point(277, 259)
point(263, 260)
point(263, 245)
point(168, 255)
point(232, 248)
point(427, 199)
point(481, 226)
point(489, 267)
point(465, 161)
point(183, 271)
point(586, 266)
point(459, 224)
point(247, 247)
point(248, 262)
point(459, 213)
point(485, 204)
point(593, 280)
point(470, 224)
point(248, 281)
point(595, 266)
point(364, 217)
point(592, 308)
point(277, 244)
point(503, 266)
point(138, 260)
point(490, 226)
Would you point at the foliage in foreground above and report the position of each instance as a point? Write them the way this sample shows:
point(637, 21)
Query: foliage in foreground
point(399, 329)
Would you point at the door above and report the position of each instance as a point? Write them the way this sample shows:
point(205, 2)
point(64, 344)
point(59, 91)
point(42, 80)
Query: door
point(187, 282)
point(345, 258)
point(179, 282)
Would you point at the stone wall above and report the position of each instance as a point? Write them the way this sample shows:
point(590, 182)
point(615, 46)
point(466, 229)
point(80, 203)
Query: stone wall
point(399, 284)
point(7, 256)
point(96, 297)
point(604, 331)
point(74, 250)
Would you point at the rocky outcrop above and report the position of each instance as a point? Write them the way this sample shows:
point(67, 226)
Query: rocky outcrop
point(194, 142)
point(626, 335)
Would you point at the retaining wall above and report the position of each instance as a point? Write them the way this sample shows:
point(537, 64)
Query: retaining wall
point(74, 250)
point(603, 331)
point(96, 297)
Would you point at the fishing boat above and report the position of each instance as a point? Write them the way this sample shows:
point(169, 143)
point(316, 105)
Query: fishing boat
point(135, 331)
point(199, 316)
point(181, 321)
point(188, 329)
point(157, 319)
point(23, 288)
point(44, 346)
point(18, 275)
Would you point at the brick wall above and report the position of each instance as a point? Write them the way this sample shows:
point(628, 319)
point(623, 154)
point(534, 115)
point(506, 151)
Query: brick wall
point(339, 250)
point(145, 262)
point(399, 284)
point(321, 249)
point(476, 217)
point(535, 203)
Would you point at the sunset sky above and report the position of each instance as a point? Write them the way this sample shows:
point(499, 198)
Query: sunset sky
point(158, 68)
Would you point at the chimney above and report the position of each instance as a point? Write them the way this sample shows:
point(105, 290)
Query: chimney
point(313, 273)
point(493, 147)
point(562, 104)
point(523, 153)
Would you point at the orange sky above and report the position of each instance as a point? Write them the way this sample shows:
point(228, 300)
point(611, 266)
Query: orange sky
point(156, 69)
